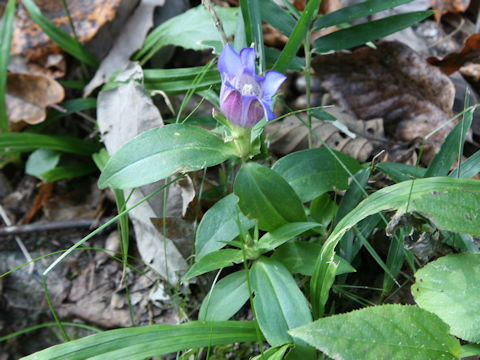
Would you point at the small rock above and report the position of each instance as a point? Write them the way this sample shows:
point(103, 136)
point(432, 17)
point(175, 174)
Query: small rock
point(301, 84)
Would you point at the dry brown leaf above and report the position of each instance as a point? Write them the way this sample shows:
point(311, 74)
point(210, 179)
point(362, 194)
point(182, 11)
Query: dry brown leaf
point(127, 42)
point(291, 135)
point(442, 7)
point(393, 83)
point(28, 96)
point(44, 192)
point(88, 17)
point(454, 61)
point(326, 6)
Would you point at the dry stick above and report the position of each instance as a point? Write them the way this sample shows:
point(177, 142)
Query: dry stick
point(20, 244)
point(50, 226)
point(216, 20)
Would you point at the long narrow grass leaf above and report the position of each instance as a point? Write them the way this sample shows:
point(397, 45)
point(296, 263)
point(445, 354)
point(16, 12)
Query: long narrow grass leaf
point(58, 36)
point(277, 16)
point(354, 12)
point(6, 28)
point(23, 142)
point(149, 341)
point(298, 35)
point(253, 27)
point(363, 33)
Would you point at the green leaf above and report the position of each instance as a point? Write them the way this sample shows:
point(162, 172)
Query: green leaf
point(225, 298)
point(213, 261)
point(273, 353)
point(469, 168)
point(444, 158)
point(40, 161)
point(300, 257)
point(253, 29)
point(219, 225)
point(470, 350)
point(176, 81)
point(148, 341)
point(281, 235)
point(354, 194)
point(363, 33)
point(68, 172)
point(266, 196)
point(58, 36)
point(323, 209)
point(6, 29)
point(277, 16)
point(452, 204)
point(72, 106)
point(188, 30)
point(24, 142)
point(313, 172)
point(354, 12)
point(400, 172)
point(381, 332)
point(159, 153)
point(279, 303)
point(450, 288)
point(298, 36)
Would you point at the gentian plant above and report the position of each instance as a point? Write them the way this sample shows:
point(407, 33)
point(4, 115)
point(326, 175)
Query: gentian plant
point(280, 226)
point(245, 97)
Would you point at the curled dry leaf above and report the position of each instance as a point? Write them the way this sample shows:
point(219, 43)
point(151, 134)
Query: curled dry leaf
point(290, 134)
point(454, 61)
point(28, 96)
point(88, 17)
point(442, 7)
point(394, 83)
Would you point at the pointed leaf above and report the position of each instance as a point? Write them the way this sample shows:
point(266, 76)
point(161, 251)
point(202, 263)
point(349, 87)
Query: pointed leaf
point(279, 303)
point(159, 153)
point(213, 261)
point(266, 196)
point(381, 332)
point(450, 288)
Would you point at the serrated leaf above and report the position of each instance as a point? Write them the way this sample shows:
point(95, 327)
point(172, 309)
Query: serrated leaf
point(143, 342)
point(219, 226)
point(266, 196)
point(450, 288)
point(226, 298)
point(381, 332)
point(279, 303)
point(159, 153)
point(313, 172)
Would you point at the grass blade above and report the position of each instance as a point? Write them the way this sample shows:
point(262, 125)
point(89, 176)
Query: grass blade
point(148, 341)
point(6, 28)
point(253, 29)
point(24, 142)
point(363, 33)
point(58, 36)
point(277, 16)
point(354, 12)
point(298, 35)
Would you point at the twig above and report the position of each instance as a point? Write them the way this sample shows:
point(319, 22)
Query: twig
point(50, 226)
point(20, 244)
point(216, 20)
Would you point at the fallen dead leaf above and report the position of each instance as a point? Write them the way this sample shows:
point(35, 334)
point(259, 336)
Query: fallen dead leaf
point(88, 17)
point(454, 61)
point(290, 134)
point(28, 95)
point(326, 6)
point(122, 113)
point(442, 7)
point(44, 192)
point(394, 83)
point(128, 41)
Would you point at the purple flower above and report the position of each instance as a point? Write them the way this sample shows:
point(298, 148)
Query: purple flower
point(245, 98)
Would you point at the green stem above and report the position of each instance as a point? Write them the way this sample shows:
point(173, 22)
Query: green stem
point(308, 59)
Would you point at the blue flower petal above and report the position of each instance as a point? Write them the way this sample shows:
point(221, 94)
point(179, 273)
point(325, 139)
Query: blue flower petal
point(229, 62)
point(269, 115)
point(252, 111)
point(272, 82)
point(247, 56)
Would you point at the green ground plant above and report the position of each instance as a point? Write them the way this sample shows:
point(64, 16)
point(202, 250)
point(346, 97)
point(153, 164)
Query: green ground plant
point(284, 224)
